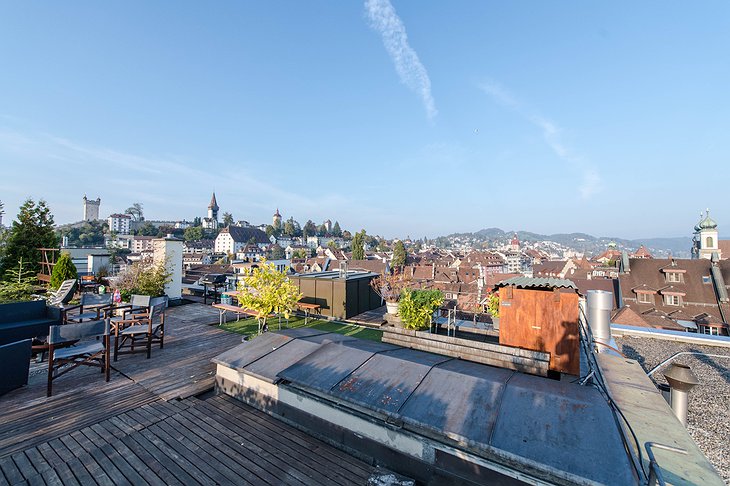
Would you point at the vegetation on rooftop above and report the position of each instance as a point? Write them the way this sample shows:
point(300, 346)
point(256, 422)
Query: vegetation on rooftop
point(64, 269)
point(33, 229)
point(417, 306)
point(143, 278)
point(18, 285)
point(266, 290)
point(249, 327)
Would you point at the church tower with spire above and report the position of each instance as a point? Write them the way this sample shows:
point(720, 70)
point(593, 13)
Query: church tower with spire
point(705, 240)
point(211, 221)
point(276, 219)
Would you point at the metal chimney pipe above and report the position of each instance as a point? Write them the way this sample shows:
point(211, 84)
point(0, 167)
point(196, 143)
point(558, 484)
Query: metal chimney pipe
point(599, 304)
point(681, 380)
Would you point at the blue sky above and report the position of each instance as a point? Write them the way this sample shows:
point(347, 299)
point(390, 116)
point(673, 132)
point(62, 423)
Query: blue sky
point(404, 118)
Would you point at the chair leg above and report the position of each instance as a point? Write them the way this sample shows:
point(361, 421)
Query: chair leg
point(149, 345)
point(116, 346)
point(49, 390)
point(106, 357)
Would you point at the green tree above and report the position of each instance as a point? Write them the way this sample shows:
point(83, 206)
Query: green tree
point(321, 230)
point(336, 230)
point(147, 229)
point(32, 230)
point(310, 229)
point(290, 227)
point(136, 212)
point(331, 245)
point(399, 254)
point(266, 290)
point(271, 231)
point(19, 284)
point(197, 221)
point(193, 233)
point(277, 252)
point(227, 219)
point(358, 245)
point(64, 269)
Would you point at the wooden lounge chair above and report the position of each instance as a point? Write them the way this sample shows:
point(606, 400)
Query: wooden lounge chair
point(92, 307)
point(148, 326)
point(87, 352)
point(64, 293)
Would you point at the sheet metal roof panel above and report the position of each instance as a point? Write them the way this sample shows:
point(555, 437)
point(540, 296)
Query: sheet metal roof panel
point(537, 283)
point(331, 363)
point(301, 332)
point(269, 366)
point(246, 353)
point(564, 426)
point(459, 399)
point(385, 381)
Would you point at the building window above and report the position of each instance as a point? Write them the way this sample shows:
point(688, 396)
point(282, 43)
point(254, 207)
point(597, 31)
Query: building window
point(705, 279)
point(709, 241)
point(645, 298)
point(674, 277)
point(671, 300)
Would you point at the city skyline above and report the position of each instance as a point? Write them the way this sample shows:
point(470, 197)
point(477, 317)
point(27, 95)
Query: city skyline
point(566, 118)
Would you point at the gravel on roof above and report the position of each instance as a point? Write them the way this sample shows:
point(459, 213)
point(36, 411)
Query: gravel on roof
point(708, 420)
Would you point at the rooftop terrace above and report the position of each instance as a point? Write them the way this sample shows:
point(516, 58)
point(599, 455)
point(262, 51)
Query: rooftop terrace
point(146, 426)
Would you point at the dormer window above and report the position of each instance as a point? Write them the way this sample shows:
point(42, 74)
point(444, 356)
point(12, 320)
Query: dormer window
point(645, 298)
point(674, 277)
point(673, 300)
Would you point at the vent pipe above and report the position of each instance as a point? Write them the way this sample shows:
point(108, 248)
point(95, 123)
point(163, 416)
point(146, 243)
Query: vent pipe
point(681, 380)
point(599, 304)
point(343, 269)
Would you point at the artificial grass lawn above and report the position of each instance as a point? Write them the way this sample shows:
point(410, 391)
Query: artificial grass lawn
point(250, 327)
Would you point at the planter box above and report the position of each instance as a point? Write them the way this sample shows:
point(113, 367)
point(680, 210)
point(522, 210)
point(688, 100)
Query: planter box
point(524, 360)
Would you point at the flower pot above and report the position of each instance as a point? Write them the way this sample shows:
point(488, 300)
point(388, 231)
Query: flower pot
point(495, 323)
point(392, 308)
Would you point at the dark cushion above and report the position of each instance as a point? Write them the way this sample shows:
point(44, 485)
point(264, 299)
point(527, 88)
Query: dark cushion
point(15, 358)
point(15, 331)
point(22, 311)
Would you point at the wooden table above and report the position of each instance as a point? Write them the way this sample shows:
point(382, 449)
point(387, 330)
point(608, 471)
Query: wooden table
point(306, 307)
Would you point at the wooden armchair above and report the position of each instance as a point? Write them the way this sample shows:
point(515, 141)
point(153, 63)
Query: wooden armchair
point(148, 326)
point(138, 304)
point(92, 307)
point(87, 352)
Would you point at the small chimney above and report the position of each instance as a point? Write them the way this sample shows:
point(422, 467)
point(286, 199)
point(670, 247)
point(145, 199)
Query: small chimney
point(681, 380)
point(343, 269)
point(599, 304)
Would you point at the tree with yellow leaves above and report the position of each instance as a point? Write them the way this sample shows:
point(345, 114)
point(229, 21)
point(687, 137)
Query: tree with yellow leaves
point(267, 291)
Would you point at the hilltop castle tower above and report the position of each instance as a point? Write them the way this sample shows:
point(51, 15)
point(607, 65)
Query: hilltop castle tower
point(705, 241)
point(276, 219)
point(91, 208)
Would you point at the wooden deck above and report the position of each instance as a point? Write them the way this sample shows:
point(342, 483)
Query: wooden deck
point(372, 318)
point(146, 427)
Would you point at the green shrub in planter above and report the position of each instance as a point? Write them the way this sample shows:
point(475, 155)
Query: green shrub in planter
point(64, 269)
point(416, 307)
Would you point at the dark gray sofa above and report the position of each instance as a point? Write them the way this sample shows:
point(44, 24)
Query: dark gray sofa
point(26, 320)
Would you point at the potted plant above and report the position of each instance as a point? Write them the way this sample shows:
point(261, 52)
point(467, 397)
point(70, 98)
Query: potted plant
point(389, 287)
point(417, 307)
point(493, 308)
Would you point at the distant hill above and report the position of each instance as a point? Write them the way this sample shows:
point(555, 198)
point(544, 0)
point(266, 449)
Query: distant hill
point(660, 247)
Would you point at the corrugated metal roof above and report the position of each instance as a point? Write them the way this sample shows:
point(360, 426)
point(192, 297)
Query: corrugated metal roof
point(538, 283)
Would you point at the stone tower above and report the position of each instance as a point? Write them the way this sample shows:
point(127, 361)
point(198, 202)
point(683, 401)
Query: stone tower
point(276, 219)
point(705, 243)
point(91, 208)
point(213, 208)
